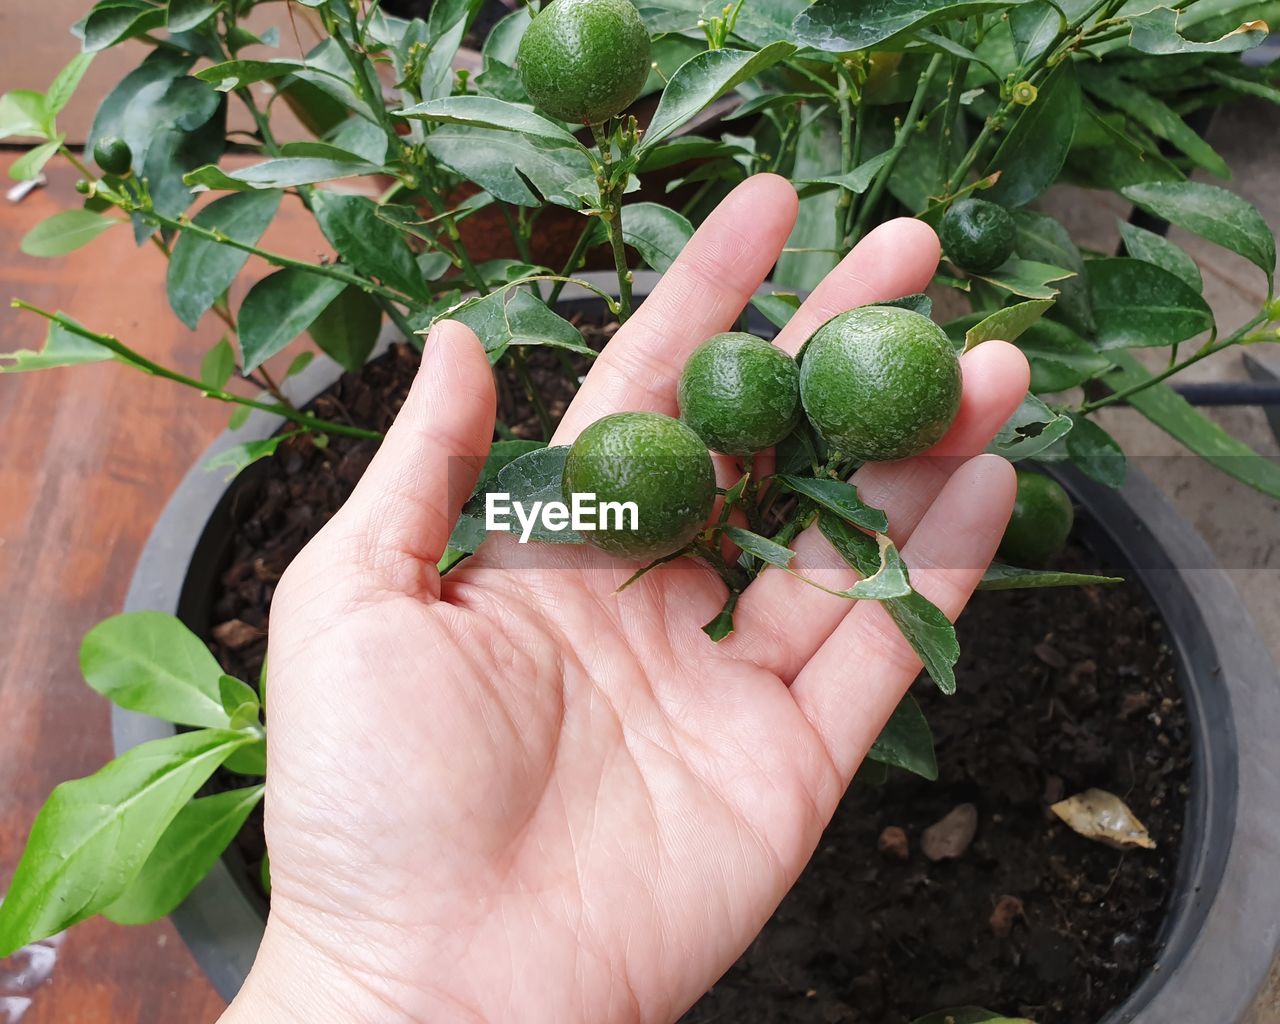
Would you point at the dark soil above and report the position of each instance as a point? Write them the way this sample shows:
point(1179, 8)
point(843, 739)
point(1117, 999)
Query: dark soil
point(1059, 691)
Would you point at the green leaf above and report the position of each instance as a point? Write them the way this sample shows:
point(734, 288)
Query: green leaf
point(722, 625)
point(93, 835)
point(360, 138)
point(905, 741)
point(778, 307)
point(150, 662)
point(703, 79)
point(841, 25)
point(1035, 27)
point(1007, 577)
point(917, 302)
point(817, 229)
point(469, 532)
point(347, 330)
point(24, 112)
point(184, 15)
point(300, 362)
point(656, 232)
point(279, 308)
point(1146, 245)
point(1095, 452)
point(113, 21)
point(1172, 413)
point(367, 242)
point(1026, 278)
point(1213, 213)
point(923, 625)
point(768, 551)
point(1157, 117)
point(533, 477)
point(1139, 305)
point(856, 181)
point(218, 365)
point(32, 162)
point(1033, 153)
point(65, 83)
point(968, 1015)
point(239, 456)
point(144, 83)
point(282, 172)
point(1030, 430)
point(1157, 31)
point(1059, 357)
point(838, 497)
point(516, 317)
point(486, 112)
point(61, 348)
point(239, 701)
point(1006, 324)
point(1043, 239)
point(513, 168)
point(237, 74)
point(186, 852)
point(200, 270)
point(65, 232)
point(889, 580)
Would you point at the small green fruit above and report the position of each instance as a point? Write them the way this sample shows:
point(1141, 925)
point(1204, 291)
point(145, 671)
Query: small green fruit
point(739, 393)
point(82, 186)
point(977, 235)
point(584, 60)
point(1041, 521)
point(652, 460)
point(113, 155)
point(880, 383)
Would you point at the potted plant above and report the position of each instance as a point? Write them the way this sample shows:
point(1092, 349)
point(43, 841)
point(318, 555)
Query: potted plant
point(957, 114)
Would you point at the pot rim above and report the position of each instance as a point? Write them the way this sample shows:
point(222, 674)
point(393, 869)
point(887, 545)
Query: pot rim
point(1222, 929)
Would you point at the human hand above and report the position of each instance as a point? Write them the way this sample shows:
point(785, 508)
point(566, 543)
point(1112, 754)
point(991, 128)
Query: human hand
point(516, 795)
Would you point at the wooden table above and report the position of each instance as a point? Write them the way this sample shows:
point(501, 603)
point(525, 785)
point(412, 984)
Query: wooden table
point(90, 455)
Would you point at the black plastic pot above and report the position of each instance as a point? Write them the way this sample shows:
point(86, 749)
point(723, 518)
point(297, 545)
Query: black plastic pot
point(1223, 927)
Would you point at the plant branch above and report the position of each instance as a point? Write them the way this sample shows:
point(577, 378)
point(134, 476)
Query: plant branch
point(611, 214)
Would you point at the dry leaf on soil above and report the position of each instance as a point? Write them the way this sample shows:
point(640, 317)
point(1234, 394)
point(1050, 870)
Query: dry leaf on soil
point(1097, 814)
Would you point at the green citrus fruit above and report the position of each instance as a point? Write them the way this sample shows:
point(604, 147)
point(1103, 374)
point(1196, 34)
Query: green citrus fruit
point(113, 155)
point(1041, 520)
point(977, 235)
point(652, 460)
point(880, 383)
point(584, 60)
point(739, 393)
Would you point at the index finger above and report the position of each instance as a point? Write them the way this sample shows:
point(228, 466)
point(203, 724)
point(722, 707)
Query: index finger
point(701, 295)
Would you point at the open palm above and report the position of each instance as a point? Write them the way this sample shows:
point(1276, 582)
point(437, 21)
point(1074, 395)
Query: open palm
point(516, 795)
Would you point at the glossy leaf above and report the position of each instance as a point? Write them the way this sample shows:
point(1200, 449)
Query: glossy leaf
point(348, 327)
point(24, 112)
point(149, 79)
point(838, 497)
point(1035, 149)
point(925, 627)
point(511, 167)
point(151, 663)
point(282, 172)
point(186, 852)
point(1043, 239)
point(1059, 357)
point(1157, 31)
point(65, 232)
point(905, 741)
point(469, 532)
point(657, 232)
point(969, 1015)
point(841, 25)
point(112, 21)
point(536, 476)
point(184, 15)
point(93, 835)
point(200, 270)
point(889, 580)
point(515, 317)
point(368, 242)
point(856, 181)
point(1095, 452)
point(486, 112)
point(1008, 577)
point(1027, 278)
point(1175, 416)
point(279, 308)
point(1146, 245)
point(61, 348)
point(1137, 304)
point(1213, 213)
point(32, 162)
point(1007, 323)
point(1030, 430)
point(240, 456)
point(766, 550)
point(64, 85)
point(218, 364)
point(1035, 27)
point(703, 79)
point(777, 307)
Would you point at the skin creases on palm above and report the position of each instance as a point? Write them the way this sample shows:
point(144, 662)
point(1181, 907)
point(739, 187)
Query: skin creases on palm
point(515, 794)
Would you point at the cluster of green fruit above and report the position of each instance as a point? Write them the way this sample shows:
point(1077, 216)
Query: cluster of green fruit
point(875, 383)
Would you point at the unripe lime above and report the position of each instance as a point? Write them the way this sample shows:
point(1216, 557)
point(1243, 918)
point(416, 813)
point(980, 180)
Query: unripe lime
point(113, 155)
point(977, 235)
point(654, 461)
point(880, 383)
point(584, 60)
point(739, 393)
point(1041, 521)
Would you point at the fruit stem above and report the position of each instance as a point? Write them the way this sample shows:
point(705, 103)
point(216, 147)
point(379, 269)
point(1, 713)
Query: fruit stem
point(611, 214)
point(734, 577)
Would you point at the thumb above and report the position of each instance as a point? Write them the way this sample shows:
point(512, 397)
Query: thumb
point(397, 522)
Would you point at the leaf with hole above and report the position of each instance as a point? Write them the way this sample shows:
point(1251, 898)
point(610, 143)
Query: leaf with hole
point(1030, 430)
